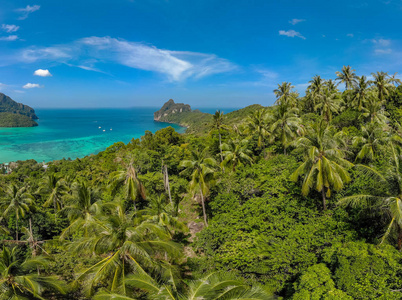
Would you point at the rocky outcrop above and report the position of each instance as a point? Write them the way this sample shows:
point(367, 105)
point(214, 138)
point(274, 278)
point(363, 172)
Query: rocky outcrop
point(170, 108)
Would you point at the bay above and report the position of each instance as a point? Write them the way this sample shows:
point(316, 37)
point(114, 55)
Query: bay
point(72, 133)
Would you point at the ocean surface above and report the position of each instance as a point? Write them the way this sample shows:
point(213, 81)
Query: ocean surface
point(72, 133)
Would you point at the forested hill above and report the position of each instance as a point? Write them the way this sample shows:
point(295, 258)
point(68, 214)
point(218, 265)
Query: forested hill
point(298, 201)
point(14, 114)
point(198, 122)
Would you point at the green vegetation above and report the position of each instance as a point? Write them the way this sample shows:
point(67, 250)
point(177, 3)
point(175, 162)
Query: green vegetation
point(13, 114)
point(16, 120)
point(301, 200)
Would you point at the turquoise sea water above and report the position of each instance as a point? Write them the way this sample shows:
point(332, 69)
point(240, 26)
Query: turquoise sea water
point(72, 133)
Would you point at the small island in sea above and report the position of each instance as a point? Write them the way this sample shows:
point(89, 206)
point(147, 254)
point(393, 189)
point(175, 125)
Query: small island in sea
point(14, 114)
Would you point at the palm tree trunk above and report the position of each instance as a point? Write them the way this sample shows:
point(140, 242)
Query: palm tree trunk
point(399, 238)
point(16, 227)
point(220, 144)
point(324, 204)
point(203, 206)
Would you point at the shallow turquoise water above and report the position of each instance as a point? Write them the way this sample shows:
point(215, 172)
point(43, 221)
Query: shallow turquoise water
point(72, 133)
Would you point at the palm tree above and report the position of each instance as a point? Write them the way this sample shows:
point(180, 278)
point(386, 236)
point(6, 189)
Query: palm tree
point(374, 110)
point(236, 153)
point(390, 204)
point(217, 124)
point(383, 83)
point(373, 137)
point(133, 187)
point(324, 166)
point(201, 167)
point(331, 85)
point(20, 279)
point(329, 102)
point(126, 244)
point(56, 188)
point(285, 123)
point(285, 95)
point(214, 286)
point(347, 76)
point(361, 90)
point(257, 125)
point(18, 201)
point(82, 208)
point(316, 87)
point(395, 80)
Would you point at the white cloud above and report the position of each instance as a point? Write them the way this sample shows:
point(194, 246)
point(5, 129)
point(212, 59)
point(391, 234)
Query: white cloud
point(26, 11)
point(295, 21)
point(31, 86)
point(350, 35)
point(86, 53)
point(9, 38)
point(42, 73)
point(382, 51)
point(381, 42)
point(2, 86)
point(9, 28)
point(291, 33)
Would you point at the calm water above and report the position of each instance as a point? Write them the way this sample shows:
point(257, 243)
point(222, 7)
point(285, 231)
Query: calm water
point(72, 133)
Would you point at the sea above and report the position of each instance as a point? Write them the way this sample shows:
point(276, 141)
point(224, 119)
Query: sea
point(75, 133)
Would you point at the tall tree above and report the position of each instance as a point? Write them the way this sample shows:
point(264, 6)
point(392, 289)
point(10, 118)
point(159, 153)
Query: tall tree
point(285, 124)
point(324, 166)
point(128, 178)
point(217, 124)
point(56, 188)
point(329, 102)
point(374, 110)
point(316, 88)
point(19, 279)
point(360, 92)
point(382, 82)
point(236, 152)
point(16, 201)
point(347, 76)
point(201, 167)
point(285, 94)
point(370, 142)
point(257, 125)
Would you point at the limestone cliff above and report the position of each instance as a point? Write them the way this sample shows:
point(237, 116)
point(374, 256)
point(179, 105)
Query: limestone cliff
point(170, 108)
point(14, 114)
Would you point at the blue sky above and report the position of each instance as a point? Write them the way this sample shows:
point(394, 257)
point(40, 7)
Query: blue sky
point(208, 53)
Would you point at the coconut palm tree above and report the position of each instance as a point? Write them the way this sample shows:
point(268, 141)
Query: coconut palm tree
point(382, 81)
point(201, 167)
point(16, 201)
point(329, 102)
point(390, 203)
point(394, 80)
point(315, 88)
point(214, 286)
point(82, 208)
point(331, 85)
point(217, 124)
point(360, 92)
point(56, 188)
point(324, 166)
point(372, 139)
point(236, 153)
point(347, 76)
point(374, 110)
point(285, 124)
point(257, 125)
point(285, 95)
point(126, 244)
point(19, 279)
point(128, 178)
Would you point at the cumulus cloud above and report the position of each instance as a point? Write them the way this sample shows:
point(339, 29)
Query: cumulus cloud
point(42, 73)
point(88, 52)
point(9, 28)
point(26, 11)
point(291, 33)
point(295, 21)
point(9, 38)
point(31, 86)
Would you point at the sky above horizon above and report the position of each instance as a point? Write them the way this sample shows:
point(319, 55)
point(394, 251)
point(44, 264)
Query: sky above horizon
point(207, 53)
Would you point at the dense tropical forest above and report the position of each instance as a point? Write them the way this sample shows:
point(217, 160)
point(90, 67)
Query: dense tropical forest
point(301, 200)
point(14, 114)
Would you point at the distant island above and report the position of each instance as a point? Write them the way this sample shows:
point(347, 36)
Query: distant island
point(14, 114)
point(196, 121)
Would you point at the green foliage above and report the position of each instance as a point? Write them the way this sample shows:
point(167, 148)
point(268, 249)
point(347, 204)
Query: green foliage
point(16, 120)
